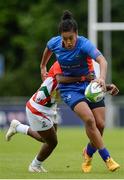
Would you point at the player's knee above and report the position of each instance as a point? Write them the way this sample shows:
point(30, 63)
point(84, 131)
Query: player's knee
point(90, 122)
point(53, 143)
point(101, 126)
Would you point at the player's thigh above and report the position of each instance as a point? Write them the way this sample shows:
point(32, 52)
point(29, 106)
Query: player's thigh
point(99, 114)
point(83, 111)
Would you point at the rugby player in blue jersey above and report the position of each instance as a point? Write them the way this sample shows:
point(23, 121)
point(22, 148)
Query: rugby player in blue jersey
point(74, 54)
point(42, 115)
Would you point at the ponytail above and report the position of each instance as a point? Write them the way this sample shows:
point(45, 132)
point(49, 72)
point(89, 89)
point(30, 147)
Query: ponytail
point(67, 23)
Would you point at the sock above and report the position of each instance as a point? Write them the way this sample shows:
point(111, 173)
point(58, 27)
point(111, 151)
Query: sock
point(90, 150)
point(36, 162)
point(21, 128)
point(104, 154)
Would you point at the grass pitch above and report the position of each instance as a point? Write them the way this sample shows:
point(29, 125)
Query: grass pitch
point(65, 162)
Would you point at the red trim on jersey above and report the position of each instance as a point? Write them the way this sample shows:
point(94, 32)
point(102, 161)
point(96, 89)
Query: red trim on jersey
point(51, 72)
point(54, 84)
point(90, 64)
point(43, 101)
point(34, 96)
point(34, 111)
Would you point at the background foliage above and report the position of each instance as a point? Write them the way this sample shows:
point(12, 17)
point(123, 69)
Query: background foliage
point(25, 28)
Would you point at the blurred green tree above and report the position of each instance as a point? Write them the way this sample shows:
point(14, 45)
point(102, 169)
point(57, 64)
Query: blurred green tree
point(26, 26)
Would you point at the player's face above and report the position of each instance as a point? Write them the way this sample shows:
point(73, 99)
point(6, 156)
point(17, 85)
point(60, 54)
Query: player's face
point(69, 39)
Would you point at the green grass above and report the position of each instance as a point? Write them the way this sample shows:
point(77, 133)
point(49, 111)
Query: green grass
point(65, 162)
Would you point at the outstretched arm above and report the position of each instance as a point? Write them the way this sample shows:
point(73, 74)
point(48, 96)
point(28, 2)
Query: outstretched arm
point(112, 88)
point(67, 79)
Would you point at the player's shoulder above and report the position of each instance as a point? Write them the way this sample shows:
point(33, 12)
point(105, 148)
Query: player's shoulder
point(54, 42)
point(85, 43)
point(55, 39)
point(83, 39)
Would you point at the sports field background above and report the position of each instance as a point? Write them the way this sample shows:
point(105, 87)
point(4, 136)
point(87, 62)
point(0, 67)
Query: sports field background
point(65, 162)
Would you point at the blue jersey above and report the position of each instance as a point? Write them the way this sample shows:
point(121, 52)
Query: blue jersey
point(77, 61)
point(74, 62)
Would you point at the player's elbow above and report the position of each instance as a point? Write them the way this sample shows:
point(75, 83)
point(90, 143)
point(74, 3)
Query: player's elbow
point(101, 60)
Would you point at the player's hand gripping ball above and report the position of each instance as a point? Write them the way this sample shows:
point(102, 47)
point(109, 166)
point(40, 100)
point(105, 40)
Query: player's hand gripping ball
point(94, 92)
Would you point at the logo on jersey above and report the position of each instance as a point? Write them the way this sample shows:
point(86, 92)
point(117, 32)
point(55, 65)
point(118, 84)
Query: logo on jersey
point(44, 124)
point(67, 98)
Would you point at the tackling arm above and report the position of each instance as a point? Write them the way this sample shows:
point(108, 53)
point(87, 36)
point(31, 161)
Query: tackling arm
point(112, 88)
point(65, 79)
point(68, 79)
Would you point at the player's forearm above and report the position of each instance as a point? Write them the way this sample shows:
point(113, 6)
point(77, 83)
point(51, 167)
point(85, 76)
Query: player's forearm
point(45, 58)
point(65, 79)
point(103, 66)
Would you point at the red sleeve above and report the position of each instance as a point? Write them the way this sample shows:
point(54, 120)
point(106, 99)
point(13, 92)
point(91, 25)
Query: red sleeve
point(55, 69)
point(51, 72)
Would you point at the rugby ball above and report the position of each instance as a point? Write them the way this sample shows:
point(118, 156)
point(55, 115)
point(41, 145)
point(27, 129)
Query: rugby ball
point(94, 92)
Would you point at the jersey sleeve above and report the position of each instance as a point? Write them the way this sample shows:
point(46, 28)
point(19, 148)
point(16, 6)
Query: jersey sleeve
point(57, 68)
point(54, 70)
point(45, 90)
point(51, 72)
point(91, 50)
point(49, 85)
point(51, 44)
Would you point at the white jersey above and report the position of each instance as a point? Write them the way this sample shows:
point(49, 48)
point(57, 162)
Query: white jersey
point(42, 103)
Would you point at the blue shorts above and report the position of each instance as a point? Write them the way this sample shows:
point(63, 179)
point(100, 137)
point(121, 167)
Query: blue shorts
point(72, 94)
